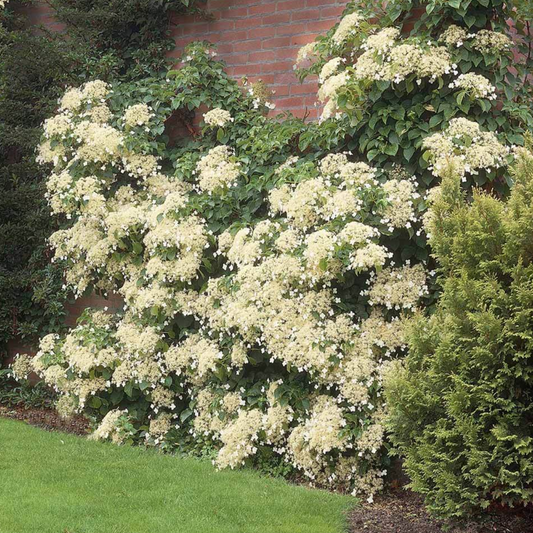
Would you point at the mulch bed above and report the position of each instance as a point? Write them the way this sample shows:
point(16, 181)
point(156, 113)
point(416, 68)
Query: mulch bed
point(46, 419)
point(402, 511)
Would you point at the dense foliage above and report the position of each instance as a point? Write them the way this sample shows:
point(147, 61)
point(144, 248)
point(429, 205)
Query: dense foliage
point(268, 266)
point(461, 405)
point(393, 86)
point(109, 40)
point(26, 395)
point(32, 70)
point(260, 311)
point(120, 38)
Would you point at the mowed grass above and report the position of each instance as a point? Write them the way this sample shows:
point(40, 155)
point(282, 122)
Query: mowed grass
point(58, 483)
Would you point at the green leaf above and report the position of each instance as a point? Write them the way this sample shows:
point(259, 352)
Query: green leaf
point(372, 154)
point(185, 415)
point(391, 149)
point(137, 248)
point(128, 389)
point(435, 120)
point(408, 152)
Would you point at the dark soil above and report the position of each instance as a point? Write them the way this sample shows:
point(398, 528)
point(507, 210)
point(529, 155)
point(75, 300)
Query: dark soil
point(402, 511)
point(46, 419)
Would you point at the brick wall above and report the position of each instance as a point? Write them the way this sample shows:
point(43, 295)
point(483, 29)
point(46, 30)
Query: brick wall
point(256, 38)
point(40, 13)
point(260, 40)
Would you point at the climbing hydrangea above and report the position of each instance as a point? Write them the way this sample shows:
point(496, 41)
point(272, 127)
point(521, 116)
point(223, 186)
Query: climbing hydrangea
point(466, 148)
point(136, 230)
point(217, 117)
point(264, 296)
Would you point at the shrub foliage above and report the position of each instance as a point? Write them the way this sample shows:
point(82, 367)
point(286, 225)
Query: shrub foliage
point(461, 406)
point(32, 69)
point(110, 40)
point(268, 266)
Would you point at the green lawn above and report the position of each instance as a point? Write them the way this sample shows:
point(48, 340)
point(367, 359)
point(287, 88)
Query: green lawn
point(58, 483)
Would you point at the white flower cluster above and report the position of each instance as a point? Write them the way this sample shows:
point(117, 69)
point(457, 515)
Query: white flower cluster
point(330, 68)
point(389, 58)
point(386, 56)
point(399, 288)
point(137, 115)
point(454, 36)
point(260, 94)
point(278, 298)
point(483, 41)
point(475, 85)
point(347, 27)
point(491, 42)
point(112, 427)
point(86, 186)
point(306, 52)
point(217, 170)
point(464, 148)
point(22, 367)
point(217, 117)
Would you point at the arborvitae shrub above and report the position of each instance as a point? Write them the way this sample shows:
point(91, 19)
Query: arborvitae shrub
point(461, 406)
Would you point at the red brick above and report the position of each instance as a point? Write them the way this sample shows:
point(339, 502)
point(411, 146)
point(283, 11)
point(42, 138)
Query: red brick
point(247, 46)
point(303, 39)
point(307, 88)
point(289, 5)
point(279, 66)
point(308, 14)
point(261, 33)
point(233, 36)
point(245, 70)
point(248, 22)
point(226, 48)
point(299, 112)
point(278, 18)
point(287, 53)
point(260, 8)
point(314, 3)
point(222, 25)
point(195, 29)
point(261, 56)
point(294, 101)
point(238, 12)
point(281, 90)
point(331, 12)
point(285, 77)
point(310, 100)
point(181, 43)
point(276, 42)
point(319, 25)
point(238, 59)
point(217, 4)
point(265, 78)
point(292, 29)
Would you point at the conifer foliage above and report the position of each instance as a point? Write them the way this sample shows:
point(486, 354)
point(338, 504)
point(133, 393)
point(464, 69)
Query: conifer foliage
point(461, 405)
